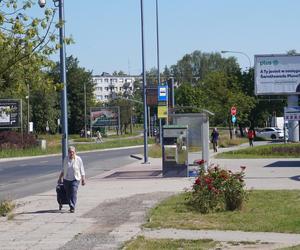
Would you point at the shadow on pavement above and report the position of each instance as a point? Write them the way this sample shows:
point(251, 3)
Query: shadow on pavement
point(295, 178)
point(52, 211)
point(284, 164)
point(135, 174)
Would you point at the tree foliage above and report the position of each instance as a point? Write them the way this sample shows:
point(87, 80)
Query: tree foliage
point(208, 81)
point(77, 78)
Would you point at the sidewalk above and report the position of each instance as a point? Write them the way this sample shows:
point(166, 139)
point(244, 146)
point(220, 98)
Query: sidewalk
point(112, 206)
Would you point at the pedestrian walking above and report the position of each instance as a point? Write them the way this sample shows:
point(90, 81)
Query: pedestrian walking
point(251, 135)
point(99, 137)
point(214, 139)
point(71, 175)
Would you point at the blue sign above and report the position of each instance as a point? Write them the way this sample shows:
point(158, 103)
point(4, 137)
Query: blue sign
point(162, 93)
point(233, 118)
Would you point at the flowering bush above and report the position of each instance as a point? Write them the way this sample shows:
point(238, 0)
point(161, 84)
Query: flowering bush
point(14, 140)
point(217, 189)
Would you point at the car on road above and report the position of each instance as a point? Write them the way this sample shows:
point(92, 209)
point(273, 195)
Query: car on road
point(270, 133)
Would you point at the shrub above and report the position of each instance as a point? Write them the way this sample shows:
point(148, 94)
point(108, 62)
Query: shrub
point(14, 140)
point(217, 189)
point(6, 207)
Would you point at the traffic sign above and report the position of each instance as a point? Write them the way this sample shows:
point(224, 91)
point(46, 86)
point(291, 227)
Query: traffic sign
point(233, 110)
point(162, 93)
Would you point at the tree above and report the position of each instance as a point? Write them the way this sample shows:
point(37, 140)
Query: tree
point(120, 73)
point(193, 68)
point(21, 35)
point(25, 44)
point(189, 96)
point(223, 91)
point(77, 77)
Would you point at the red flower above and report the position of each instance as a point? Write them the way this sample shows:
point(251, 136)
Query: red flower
point(197, 181)
point(199, 162)
point(208, 180)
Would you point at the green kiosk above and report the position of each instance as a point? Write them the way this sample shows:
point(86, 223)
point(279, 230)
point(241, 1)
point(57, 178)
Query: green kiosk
point(175, 151)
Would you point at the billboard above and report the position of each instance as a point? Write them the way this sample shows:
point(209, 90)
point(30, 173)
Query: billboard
point(10, 113)
point(103, 117)
point(277, 74)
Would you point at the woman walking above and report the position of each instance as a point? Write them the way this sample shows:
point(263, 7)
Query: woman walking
point(71, 175)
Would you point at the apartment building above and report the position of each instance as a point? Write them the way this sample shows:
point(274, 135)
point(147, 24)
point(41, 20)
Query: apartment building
point(107, 84)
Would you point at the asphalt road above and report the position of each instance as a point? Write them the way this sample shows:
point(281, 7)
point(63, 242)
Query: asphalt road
point(21, 178)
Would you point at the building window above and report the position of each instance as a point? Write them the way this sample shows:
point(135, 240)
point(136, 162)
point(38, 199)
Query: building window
point(106, 80)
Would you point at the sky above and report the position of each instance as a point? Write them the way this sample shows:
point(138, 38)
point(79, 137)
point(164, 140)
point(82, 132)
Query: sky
point(107, 33)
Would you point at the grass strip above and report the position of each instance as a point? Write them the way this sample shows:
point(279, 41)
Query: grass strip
point(265, 151)
point(265, 211)
point(54, 149)
point(153, 244)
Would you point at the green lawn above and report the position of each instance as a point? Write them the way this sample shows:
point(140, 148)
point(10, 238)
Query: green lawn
point(53, 147)
point(266, 151)
point(166, 244)
point(291, 248)
point(265, 211)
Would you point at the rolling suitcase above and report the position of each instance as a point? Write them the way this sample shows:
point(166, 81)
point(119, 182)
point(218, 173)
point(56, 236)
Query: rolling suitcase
point(61, 195)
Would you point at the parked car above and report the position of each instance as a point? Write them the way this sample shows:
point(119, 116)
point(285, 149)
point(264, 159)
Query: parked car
point(271, 133)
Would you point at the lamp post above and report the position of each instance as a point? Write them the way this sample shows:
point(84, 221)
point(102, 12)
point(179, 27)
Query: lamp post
point(84, 90)
point(238, 52)
point(28, 120)
point(157, 44)
point(63, 76)
point(158, 66)
point(144, 86)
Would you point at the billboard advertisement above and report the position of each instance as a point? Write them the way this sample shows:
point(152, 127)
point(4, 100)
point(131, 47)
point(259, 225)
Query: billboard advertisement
point(277, 74)
point(105, 117)
point(10, 113)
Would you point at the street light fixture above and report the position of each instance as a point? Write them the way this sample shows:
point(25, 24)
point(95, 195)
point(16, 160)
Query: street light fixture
point(63, 76)
point(238, 52)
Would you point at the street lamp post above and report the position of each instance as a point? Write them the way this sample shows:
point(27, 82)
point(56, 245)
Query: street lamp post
point(157, 44)
point(238, 52)
point(63, 76)
point(84, 90)
point(28, 112)
point(144, 86)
